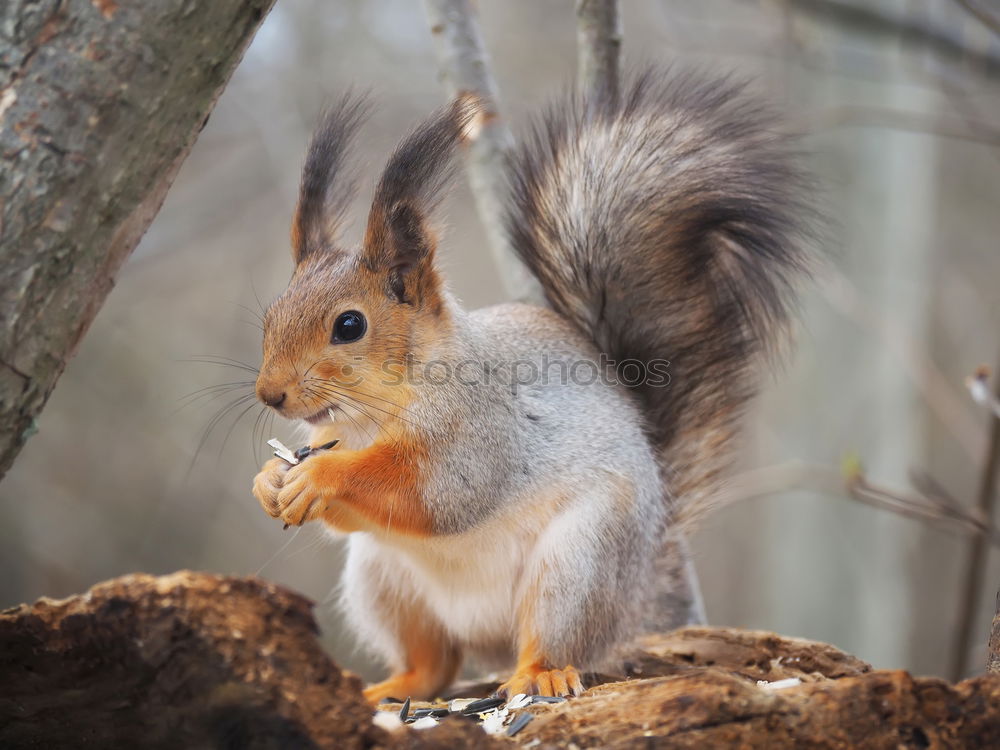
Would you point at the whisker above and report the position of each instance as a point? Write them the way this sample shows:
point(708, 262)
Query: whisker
point(352, 389)
point(317, 541)
point(256, 296)
point(233, 427)
point(213, 422)
point(328, 387)
point(281, 549)
point(257, 433)
point(211, 391)
point(358, 424)
point(259, 316)
point(355, 389)
point(255, 324)
point(316, 397)
point(211, 359)
point(344, 403)
point(329, 390)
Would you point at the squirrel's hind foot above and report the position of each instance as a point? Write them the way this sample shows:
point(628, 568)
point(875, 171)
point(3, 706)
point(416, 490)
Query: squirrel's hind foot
point(536, 681)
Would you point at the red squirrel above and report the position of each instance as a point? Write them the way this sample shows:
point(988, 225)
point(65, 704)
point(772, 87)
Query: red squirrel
point(507, 476)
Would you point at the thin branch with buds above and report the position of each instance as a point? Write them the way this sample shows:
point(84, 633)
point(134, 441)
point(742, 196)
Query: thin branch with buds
point(930, 503)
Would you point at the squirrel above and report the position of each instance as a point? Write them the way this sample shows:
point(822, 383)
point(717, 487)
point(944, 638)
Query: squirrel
point(508, 476)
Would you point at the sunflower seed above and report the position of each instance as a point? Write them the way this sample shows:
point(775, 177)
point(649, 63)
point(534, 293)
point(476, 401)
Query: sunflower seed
point(484, 704)
point(519, 723)
point(547, 699)
point(282, 451)
point(519, 701)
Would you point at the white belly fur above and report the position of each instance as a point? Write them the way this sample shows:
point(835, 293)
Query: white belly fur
point(472, 581)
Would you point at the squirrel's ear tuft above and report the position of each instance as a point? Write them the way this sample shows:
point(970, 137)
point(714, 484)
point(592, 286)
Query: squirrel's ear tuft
point(327, 185)
point(399, 240)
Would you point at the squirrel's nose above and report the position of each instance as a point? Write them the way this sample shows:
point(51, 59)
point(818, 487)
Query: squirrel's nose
point(274, 400)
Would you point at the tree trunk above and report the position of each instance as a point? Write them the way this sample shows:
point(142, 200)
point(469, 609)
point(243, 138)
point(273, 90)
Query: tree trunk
point(100, 101)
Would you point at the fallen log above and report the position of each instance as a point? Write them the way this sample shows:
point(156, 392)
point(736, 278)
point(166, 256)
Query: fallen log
point(193, 660)
point(182, 661)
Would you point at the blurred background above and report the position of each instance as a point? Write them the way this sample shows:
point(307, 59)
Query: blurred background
point(899, 105)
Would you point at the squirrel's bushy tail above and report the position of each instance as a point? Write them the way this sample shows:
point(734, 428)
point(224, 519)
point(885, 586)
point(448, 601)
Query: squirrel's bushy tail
point(668, 226)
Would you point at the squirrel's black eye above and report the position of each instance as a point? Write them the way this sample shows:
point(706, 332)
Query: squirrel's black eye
point(350, 326)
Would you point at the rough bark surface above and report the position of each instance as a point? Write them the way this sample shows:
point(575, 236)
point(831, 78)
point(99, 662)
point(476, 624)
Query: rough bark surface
point(100, 101)
point(183, 661)
point(993, 657)
point(199, 661)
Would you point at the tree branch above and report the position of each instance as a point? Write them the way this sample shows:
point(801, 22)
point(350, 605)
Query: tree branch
point(99, 104)
point(977, 560)
point(598, 47)
point(936, 124)
point(465, 68)
point(984, 17)
point(868, 18)
point(993, 654)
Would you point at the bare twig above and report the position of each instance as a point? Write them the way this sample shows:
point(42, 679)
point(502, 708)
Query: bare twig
point(598, 49)
point(978, 552)
point(984, 17)
point(465, 68)
point(941, 125)
point(993, 655)
point(880, 19)
point(927, 506)
point(931, 504)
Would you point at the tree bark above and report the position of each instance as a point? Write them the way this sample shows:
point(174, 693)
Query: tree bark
point(192, 660)
point(993, 655)
point(100, 101)
point(184, 661)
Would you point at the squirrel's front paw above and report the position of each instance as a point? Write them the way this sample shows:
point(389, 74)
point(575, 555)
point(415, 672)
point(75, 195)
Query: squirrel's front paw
point(268, 483)
point(299, 499)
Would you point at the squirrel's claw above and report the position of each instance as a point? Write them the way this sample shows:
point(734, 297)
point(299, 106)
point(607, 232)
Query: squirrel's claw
point(551, 682)
point(297, 499)
point(286, 492)
point(267, 485)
